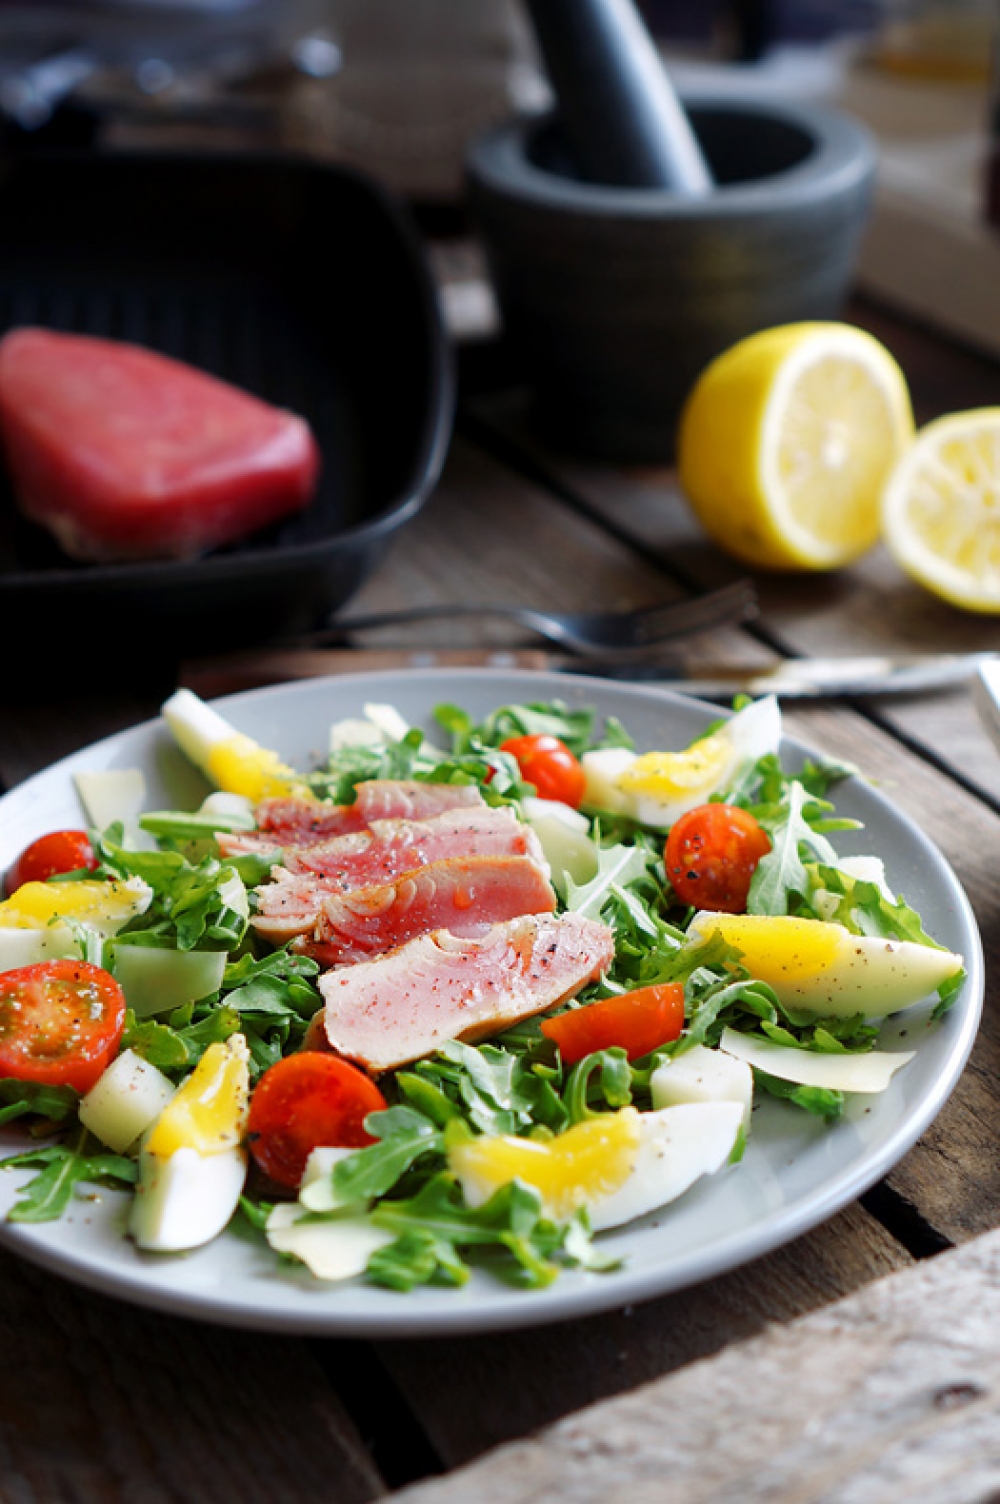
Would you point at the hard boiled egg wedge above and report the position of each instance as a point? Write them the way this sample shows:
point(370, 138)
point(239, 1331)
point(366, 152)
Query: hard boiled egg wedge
point(619, 1165)
point(231, 760)
point(656, 788)
point(42, 920)
point(823, 968)
point(192, 1165)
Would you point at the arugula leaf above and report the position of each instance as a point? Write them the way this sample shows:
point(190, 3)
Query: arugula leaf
point(617, 866)
point(510, 1220)
point(417, 1257)
point(61, 1169)
point(404, 1135)
point(781, 874)
point(189, 903)
point(20, 1098)
point(818, 1100)
point(863, 908)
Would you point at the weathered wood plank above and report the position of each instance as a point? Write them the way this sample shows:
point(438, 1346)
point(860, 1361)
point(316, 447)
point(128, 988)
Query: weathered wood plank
point(101, 1403)
point(523, 1380)
point(868, 608)
point(487, 535)
point(889, 1395)
point(871, 607)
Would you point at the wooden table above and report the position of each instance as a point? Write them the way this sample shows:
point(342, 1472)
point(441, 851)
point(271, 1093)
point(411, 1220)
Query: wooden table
point(844, 1366)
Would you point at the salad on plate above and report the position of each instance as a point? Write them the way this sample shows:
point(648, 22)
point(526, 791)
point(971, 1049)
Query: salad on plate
point(442, 1002)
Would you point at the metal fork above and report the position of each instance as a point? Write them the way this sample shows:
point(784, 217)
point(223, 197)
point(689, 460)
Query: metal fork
point(618, 635)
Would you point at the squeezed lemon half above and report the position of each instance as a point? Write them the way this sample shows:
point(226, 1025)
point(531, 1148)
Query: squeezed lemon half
point(786, 443)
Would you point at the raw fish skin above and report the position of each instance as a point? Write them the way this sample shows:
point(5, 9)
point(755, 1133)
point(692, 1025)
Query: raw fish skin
point(392, 1010)
point(123, 453)
point(458, 893)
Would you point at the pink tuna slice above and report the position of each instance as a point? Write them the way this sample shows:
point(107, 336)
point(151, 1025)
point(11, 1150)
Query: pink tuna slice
point(286, 824)
point(391, 847)
point(401, 1006)
point(123, 453)
point(461, 894)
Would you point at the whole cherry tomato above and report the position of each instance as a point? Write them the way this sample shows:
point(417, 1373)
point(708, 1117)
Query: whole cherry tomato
point(304, 1102)
point(548, 763)
point(61, 1023)
point(59, 851)
point(711, 856)
point(636, 1022)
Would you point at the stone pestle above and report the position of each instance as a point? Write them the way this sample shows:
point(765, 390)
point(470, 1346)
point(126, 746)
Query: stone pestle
point(617, 108)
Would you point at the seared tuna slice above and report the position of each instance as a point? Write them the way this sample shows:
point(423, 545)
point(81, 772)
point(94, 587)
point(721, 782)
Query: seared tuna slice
point(290, 824)
point(390, 847)
point(398, 1007)
point(457, 894)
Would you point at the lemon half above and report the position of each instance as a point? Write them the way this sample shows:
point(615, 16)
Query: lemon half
point(941, 514)
point(787, 440)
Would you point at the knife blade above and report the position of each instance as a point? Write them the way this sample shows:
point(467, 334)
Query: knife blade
point(986, 696)
point(793, 678)
point(805, 678)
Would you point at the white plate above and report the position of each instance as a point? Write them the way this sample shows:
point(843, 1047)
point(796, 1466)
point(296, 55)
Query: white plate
point(796, 1171)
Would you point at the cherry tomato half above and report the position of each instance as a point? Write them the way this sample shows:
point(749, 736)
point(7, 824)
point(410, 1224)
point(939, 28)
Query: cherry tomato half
point(60, 851)
point(636, 1022)
point(711, 855)
point(548, 763)
point(61, 1023)
point(304, 1102)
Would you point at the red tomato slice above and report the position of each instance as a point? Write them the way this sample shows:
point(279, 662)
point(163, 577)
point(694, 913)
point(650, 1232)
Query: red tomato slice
point(711, 856)
point(307, 1101)
point(51, 855)
point(636, 1022)
point(61, 1023)
point(548, 763)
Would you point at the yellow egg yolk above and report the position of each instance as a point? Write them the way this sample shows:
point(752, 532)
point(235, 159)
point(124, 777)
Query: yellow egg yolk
point(779, 949)
point(582, 1165)
point(239, 765)
point(208, 1111)
point(674, 774)
point(101, 903)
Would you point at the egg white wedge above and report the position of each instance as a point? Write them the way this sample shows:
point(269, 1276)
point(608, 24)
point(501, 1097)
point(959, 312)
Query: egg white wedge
point(823, 968)
point(192, 1165)
point(230, 759)
point(332, 1247)
point(656, 788)
point(186, 1200)
point(869, 1072)
point(617, 1165)
point(43, 921)
point(677, 1146)
point(699, 1074)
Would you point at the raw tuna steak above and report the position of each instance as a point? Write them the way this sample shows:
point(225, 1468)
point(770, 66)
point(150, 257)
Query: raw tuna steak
point(458, 894)
point(398, 1007)
point(123, 453)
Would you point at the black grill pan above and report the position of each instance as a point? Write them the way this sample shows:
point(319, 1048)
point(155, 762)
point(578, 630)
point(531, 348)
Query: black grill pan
point(302, 282)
